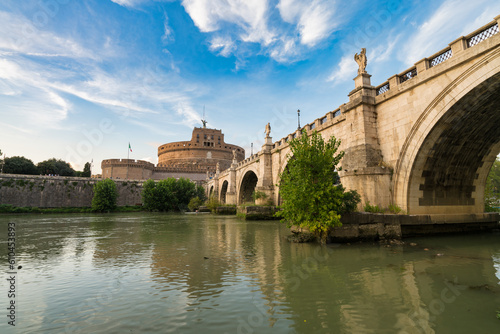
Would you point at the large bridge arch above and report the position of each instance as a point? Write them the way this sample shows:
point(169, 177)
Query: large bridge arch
point(247, 187)
point(446, 157)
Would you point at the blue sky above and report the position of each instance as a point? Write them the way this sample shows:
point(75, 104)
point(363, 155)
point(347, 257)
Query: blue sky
point(79, 80)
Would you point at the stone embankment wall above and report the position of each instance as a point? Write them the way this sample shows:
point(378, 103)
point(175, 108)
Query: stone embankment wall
point(58, 191)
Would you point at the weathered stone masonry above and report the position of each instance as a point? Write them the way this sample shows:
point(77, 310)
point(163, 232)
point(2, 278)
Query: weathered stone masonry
point(58, 192)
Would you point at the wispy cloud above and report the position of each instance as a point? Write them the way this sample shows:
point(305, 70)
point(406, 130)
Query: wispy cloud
point(346, 69)
point(440, 28)
point(129, 3)
point(223, 46)
point(168, 33)
point(46, 66)
point(19, 35)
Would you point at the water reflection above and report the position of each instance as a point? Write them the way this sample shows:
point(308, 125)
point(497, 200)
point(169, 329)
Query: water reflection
point(191, 274)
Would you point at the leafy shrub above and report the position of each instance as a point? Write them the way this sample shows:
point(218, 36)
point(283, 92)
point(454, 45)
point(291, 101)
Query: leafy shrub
point(393, 208)
point(169, 194)
point(105, 196)
point(213, 203)
point(372, 208)
point(195, 203)
point(312, 196)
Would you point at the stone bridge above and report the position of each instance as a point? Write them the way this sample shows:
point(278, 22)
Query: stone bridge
point(424, 140)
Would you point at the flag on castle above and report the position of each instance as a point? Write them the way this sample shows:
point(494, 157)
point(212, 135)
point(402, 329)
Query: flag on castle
point(130, 148)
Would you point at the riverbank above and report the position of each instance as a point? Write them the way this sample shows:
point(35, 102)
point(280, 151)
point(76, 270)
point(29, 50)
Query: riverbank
point(10, 209)
point(364, 226)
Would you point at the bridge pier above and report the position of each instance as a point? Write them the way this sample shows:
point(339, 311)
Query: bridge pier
point(265, 181)
point(363, 167)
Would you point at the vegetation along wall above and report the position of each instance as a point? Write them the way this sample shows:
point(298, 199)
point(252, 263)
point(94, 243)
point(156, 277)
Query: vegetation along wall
point(57, 192)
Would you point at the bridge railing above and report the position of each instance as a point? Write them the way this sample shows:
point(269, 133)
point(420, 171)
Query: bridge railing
point(441, 56)
point(249, 159)
point(317, 124)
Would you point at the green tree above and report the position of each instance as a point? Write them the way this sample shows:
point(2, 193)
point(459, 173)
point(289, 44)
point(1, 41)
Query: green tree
point(159, 196)
point(170, 194)
point(200, 193)
point(492, 190)
point(312, 196)
point(195, 203)
point(86, 170)
point(19, 165)
point(105, 196)
point(55, 167)
point(185, 190)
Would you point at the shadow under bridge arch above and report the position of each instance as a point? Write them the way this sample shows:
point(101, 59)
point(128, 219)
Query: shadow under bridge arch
point(247, 187)
point(223, 192)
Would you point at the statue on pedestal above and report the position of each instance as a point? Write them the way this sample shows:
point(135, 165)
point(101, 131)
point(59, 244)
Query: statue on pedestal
point(268, 129)
point(361, 60)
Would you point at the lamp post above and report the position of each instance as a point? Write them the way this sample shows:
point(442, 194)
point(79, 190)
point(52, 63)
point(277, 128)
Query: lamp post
point(251, 149)
point(298, 119)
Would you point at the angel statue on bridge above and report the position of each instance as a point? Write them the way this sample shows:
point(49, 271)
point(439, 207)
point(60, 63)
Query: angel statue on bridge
point(361, 60)
point(268, 130)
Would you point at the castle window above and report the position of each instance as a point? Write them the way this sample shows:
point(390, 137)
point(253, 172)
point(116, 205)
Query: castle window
point(205, 137)
point(212, 137)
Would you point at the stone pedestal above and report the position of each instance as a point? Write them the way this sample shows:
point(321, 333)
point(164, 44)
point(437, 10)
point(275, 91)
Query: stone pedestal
point(361, 165)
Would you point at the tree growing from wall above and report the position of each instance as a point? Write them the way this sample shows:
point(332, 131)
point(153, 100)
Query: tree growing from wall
point(105, 196)
point(312, 196)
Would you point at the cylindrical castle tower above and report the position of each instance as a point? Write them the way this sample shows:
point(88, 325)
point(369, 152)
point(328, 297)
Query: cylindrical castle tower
point(205, 149)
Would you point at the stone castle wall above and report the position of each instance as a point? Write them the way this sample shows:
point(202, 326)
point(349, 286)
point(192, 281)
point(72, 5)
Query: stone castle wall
point(127, 169)
point(57, 192)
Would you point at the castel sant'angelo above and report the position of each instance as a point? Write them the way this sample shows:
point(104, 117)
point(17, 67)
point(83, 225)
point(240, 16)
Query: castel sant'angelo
point(194, 159)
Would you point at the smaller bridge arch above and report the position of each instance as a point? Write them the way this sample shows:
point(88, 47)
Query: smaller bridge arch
point(223, 192)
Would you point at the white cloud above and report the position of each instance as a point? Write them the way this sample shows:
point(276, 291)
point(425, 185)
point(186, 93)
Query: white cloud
point(168, 34)
point(315, 20)
point(224, 46)
point(249, 16)
point(346, 69)
point(129, 3)
point(253, 22)
point(189, 116)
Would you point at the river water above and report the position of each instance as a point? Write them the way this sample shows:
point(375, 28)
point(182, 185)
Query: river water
point(161, 273)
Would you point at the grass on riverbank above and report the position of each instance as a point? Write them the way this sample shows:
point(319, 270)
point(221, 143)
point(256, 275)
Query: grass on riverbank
point(6, 208)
